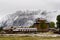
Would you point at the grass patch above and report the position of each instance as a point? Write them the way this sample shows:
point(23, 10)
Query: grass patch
point(28, 38)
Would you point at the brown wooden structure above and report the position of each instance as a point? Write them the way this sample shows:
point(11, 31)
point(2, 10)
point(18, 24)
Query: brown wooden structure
point(38, 25)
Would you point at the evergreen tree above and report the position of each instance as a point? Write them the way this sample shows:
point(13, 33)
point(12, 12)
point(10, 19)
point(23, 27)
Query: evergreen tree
point(58, 22)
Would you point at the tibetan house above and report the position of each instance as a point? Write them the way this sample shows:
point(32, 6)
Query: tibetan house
point(20, 30)
point(25, 30)
point(41, 25)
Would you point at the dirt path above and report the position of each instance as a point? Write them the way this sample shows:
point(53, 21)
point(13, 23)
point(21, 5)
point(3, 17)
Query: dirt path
point(40, 35)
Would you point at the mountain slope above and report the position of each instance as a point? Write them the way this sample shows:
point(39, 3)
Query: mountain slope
point(25, 18)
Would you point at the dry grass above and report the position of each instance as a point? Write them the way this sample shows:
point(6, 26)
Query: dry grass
point(28, 38)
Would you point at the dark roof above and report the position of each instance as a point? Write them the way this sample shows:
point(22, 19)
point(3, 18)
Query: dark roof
point(41, 19)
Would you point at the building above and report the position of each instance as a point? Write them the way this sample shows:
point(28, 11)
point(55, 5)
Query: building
point(25, 30)
point(19, 30)
point(36, 27)
point(39, 22)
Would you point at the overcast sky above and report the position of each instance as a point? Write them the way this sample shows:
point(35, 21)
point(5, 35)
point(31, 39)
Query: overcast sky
point(10, 6)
